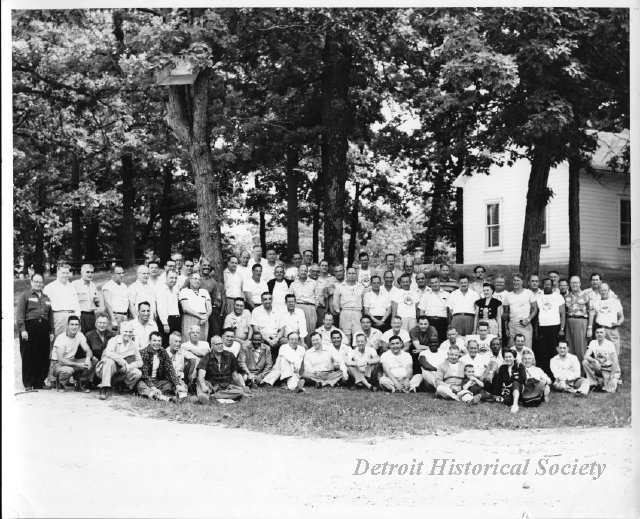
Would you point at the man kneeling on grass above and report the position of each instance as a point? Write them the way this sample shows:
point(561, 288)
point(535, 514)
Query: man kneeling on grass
point(363, 363)
point(158, 376)
point(323, 366)
point(288, 366)
point(565, 368)
point(601, 363)
point(120, 362)
point(63, 357)
point(218, 375)
point(397, 369)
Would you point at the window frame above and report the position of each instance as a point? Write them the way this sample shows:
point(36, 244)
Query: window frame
point(622, 199)
point(487, 203)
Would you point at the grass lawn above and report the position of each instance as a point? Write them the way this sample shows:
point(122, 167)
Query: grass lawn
point(340, 413)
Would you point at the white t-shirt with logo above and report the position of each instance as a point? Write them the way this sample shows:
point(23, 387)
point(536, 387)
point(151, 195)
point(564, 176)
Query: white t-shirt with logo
point(406, 301)
point(549, 309)
point(607, 311)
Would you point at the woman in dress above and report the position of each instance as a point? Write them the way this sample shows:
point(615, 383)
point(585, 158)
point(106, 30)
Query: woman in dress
point(489, 309)
point(509, 381)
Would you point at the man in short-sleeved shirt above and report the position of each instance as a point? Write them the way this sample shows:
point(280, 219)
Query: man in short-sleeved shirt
point(396, 329)
point(522, 309)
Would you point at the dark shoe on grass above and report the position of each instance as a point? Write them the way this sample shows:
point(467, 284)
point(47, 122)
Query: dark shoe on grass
point(104, 393)
point(318, 385)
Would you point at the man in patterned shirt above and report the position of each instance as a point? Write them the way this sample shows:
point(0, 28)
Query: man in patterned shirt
point(577, 311)
point(305, 290)
point(159, 378)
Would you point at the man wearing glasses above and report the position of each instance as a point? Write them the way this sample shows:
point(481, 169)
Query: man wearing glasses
point(35, 326)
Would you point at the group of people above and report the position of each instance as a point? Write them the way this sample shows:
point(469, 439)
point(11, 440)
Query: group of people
point(177, 332)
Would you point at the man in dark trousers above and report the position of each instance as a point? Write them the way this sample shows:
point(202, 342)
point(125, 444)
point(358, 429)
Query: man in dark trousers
point(35, 327)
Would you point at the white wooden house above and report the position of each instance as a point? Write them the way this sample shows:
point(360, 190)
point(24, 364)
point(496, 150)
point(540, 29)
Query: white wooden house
point(494, 207)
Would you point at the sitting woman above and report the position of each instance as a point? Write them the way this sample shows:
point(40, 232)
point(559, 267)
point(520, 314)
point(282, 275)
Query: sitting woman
point(535, 373)
point(488, 309)
point(509, 380)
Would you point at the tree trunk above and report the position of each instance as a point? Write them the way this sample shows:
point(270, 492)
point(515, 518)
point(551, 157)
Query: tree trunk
point(38, 258)
point(187, 117)
point(537, 198)
point(76, 223)
point(317, 221)
point(165, 214)
point(128, 200)
point(293, 235)
point(435, 215)
point(351, 253)
point(263, 230)
point(575, 260)
point(459, 227)
point(92, 251)
point(336, 122)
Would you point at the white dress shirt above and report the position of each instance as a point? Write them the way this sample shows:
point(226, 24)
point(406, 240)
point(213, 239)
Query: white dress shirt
point(378, 304)
point(167, 303)
point(294, 322)
point(434, 304)
point(119, 296)
point(62, 296)
point(232, 284)
point(141, 332)
point(460, 303)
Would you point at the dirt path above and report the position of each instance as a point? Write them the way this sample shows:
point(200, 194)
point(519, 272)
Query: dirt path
point(78, 457)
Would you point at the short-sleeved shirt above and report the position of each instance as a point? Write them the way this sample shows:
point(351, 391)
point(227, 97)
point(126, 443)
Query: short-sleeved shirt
point(462, 303)
point(267, 322)
point(86, 295)
point(577, 304)
point(197, 300)
point(68, 344)
point(378, 304)
point(607, 311)
point(435, 358)
point(62, 296)
point(140, 292)
point(520, 304)
point(141, 332)
point(119, 297)
point(488, 310)
point(219, 372)
point(364, 277)
point(350, 296)
point(96, 343)
point(256, 289)
point(406, 301)
point(305, 291)
point(434, 304)
point(549, 309)
point(483, 344)
point(240, 323)
point(232, 284)
point(398, 365)
point(373, 340)
point(459, 343)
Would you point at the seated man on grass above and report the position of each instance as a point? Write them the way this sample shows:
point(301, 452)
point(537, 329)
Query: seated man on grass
point(323, 366)
point(288, 365)
point(397, 369)
point(430, 360)
point(362, 364)
point(494, 361)
point(601, 363)
point(194, 345)
point(450, 375)
point(159, 379)
point(184, 362)
point(257, 360)
point(472, 391)
point(395, 331)
point(64, 365)
point(420, 335)
point(473, 357)
point(120, 362)
point(219, 375)
point(338, 344)
point(534, 372)
point(565, 368)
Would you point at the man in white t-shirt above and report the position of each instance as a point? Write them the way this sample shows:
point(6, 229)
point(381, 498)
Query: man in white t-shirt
point(364, 272)
point(478, 361)
point(232, 284)
point(404, 304)
point(608, 313)
point(522, 308)
point(266, 320)
point(551, 323)
point(396, 329)
point(377, 304)
point(253, 287)
point(397, 369)
point(483, 338)
point(601, 363)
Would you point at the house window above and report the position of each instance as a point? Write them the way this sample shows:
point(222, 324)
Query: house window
point(492, 233)
point(625, 222)
point(545, 228)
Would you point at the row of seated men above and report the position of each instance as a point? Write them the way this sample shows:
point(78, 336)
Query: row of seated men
point(466, 370)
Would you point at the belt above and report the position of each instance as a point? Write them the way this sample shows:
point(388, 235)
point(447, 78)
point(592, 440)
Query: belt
point(435, 317)
point(577, 317)
point(121, 313)
point(38, 320)
point(301, 303)
point(607, 327)
point(87, 312)
point(469, 315)
point(67, 311)
point(175, 315)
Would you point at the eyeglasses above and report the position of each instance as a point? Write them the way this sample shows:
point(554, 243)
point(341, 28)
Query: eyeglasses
point(188, 264)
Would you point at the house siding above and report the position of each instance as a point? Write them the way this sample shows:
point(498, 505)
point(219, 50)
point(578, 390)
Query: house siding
point(600, 219)
point(509, 186)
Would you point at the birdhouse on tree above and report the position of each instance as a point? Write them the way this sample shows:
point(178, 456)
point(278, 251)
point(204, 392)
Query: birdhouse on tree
point(182, 72)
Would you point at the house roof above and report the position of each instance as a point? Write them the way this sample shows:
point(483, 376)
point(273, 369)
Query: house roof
point(609, 145)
